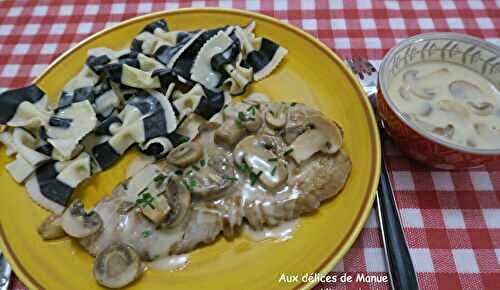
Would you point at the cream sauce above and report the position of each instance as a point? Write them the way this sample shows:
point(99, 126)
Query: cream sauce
point(169, 263)
point(282, 232)
point(455, 104)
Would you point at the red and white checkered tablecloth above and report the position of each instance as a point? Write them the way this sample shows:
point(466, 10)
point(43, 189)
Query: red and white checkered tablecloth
point(451, 219)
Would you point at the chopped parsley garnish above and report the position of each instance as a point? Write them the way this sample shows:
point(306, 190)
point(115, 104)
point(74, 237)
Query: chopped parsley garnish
point(143, 191)
point(231, 178)
point(189, 172)
point(155, 257)
point(274, 159)
point(145, 199)
point(293, 104)
point(245, 168)
point(288, 152)
point(195, 167)
point(244, 118)
point(147, 233)
point(178, 172)
point(203, 162)
point(253, 109)
point(192, 183)
point(273, 172)
point(254, 177)
point(272, 113)
point(159, 178)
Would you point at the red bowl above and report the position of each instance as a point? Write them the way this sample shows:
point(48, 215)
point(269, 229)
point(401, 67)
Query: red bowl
point(416, 142)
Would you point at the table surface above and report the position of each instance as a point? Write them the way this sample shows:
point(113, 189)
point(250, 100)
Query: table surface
point(451, 219)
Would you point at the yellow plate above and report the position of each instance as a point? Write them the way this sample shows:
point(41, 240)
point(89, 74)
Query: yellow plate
point(311, 73)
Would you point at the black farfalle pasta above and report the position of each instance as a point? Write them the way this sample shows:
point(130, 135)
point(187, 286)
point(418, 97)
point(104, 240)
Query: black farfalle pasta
point(154, 95)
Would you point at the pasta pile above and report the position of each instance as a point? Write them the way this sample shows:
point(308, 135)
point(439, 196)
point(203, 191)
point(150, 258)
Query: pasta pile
point(154, 94)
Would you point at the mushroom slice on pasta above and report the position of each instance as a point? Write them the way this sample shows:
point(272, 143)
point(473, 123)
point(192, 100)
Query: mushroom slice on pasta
point(54, 182)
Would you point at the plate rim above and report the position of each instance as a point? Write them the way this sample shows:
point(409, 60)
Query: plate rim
point(361, 216)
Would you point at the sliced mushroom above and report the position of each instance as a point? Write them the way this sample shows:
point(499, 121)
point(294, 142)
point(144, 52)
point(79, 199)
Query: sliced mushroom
point(404, 92)
point(295, 123)
point(425, 87)
point(78, 223)
point(323, 135)
point(424, 109)
point(410, 76)
point(262, 163)
point(51, 228)
point(256, 98)
point(464, 90)
point(481, 108)
point(157, 209)
point(185, 154)
point(229, 133)
point(276, 116)
point(212, 179)
point(426, 93)
point(117, 266)
point(251, 122)
point(454, 107)
point(447, 131)
point(179, 200)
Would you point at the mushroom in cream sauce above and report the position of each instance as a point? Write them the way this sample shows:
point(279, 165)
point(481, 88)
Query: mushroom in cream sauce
point(451, 102)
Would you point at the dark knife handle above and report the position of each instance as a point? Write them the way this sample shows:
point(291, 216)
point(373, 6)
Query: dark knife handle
point(398, 257)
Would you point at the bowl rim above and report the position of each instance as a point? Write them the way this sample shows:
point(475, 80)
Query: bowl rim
point(424, 133)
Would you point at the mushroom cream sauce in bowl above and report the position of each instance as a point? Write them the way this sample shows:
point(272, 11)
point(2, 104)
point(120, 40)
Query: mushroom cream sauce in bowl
point(310, 83)
point(439, 99)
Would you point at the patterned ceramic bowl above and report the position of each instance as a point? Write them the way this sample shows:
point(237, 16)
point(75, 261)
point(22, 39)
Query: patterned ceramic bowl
point(467, 51)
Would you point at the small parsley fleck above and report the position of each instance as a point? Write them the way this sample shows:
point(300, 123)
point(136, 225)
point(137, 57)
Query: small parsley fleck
point(254, 177)
point(231, 178)
point(159, 178)
point(178, 172)
point(203, 162)
point(146, 199)
point(274, 159)
point(293, 104)
point(273, 172)
point(147, 233)
point(288, 152)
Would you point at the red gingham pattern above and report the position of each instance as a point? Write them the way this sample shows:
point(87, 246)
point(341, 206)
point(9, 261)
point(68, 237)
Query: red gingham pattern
point(451, 219)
